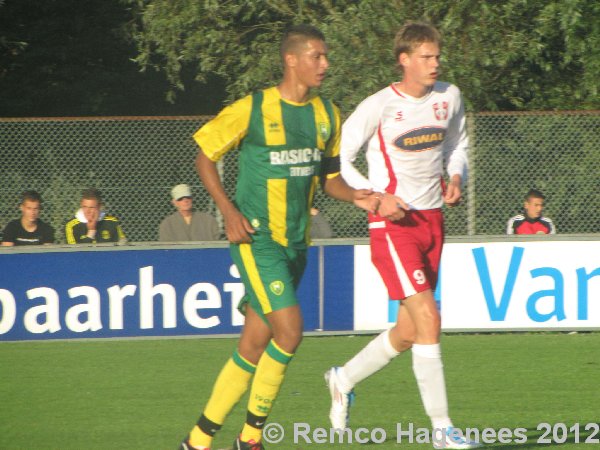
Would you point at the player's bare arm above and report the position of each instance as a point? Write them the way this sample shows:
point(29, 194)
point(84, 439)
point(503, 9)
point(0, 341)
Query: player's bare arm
point(237, 227)
point(337, 188)
point(391, 207)
point(453, 191)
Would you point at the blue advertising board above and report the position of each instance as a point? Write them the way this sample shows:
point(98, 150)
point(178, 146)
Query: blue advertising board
point(339, 276)
point(187, 290)
point(126, 293)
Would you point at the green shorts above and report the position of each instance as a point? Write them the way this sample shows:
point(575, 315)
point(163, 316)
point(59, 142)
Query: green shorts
point(270, 273)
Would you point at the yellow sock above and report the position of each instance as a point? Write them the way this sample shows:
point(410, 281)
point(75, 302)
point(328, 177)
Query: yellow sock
point(231, 384)
point(270, 372)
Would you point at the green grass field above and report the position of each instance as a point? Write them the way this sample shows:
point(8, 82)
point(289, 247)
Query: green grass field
point(146, 394)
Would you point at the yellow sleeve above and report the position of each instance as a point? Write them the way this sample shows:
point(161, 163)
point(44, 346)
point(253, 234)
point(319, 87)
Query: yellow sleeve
point(333, 146)
point(70, 236)
point(226, 130)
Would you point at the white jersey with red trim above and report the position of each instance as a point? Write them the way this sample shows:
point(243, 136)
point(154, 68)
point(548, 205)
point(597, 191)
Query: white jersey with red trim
point(408, 140)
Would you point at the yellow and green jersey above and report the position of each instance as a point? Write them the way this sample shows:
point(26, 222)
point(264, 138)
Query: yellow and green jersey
point(285, 148)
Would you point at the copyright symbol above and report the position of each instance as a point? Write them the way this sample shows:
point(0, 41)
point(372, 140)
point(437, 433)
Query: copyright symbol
point(273, 433)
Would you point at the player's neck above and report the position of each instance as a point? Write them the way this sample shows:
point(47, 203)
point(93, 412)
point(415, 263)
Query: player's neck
point(293, 91)
point(415, 90)
point(187, 215)
point(28, 225)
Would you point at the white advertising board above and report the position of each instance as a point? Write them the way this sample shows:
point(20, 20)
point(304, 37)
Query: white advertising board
point(534, 285)
point(370, 295)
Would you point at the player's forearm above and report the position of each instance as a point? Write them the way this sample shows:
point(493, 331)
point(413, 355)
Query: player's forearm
point(337, 188)
point(456, 180)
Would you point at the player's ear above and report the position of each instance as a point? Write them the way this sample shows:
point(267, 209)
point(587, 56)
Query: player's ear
point(291, 59)
point(403, 59)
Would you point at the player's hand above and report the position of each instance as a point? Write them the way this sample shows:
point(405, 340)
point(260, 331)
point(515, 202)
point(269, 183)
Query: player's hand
point(237, 228)
point(366, 199)
point(392, 207)
point(92, 215)
point(453, 193)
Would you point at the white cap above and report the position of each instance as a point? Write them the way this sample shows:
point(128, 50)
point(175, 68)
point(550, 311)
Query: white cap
point(181, 190)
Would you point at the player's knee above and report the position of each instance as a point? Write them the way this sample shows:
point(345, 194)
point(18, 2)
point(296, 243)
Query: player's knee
point(401, 339)
point(289, 340)
point(405, 344)
point(402, 345)
point(252, 352)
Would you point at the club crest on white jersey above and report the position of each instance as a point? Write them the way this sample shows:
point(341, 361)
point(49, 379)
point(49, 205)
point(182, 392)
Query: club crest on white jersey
point(440, 110)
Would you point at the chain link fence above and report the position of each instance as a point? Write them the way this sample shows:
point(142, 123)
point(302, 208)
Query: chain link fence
point(135, 161)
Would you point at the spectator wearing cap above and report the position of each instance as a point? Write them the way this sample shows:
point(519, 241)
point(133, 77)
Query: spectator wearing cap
point(186, 224)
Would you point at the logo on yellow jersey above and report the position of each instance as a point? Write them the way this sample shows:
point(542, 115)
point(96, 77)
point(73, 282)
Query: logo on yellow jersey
point(324, 130)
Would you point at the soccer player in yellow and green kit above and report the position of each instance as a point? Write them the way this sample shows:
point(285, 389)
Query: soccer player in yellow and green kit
point(288, 141)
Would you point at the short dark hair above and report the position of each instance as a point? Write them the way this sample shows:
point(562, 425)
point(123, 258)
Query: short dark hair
point(298, 34)
point(31, 196)
point(91, 194)
point(413, 34)
point(534, 193)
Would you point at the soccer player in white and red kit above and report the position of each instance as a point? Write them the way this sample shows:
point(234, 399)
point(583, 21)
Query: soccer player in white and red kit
point(410, 130)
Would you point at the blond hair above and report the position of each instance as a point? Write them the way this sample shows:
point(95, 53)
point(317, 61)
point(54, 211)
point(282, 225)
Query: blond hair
point(413, 34)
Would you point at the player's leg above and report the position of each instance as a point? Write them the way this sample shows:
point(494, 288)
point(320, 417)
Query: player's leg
point(255, 336)
point(232, 382)
point(402, 334)
point(427, 357)
point(426, 351)
point(429, 370)
point(277, 271)
point(380, 351)
point(424, 313)
point(373, 357)
point(270, 372)
point(386, 346)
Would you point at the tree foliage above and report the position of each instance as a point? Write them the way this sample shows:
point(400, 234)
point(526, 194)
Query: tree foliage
point(505, 55)
point(68, 57)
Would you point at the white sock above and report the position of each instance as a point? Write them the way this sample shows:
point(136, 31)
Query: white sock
point(429, 372)
point(375, 356)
